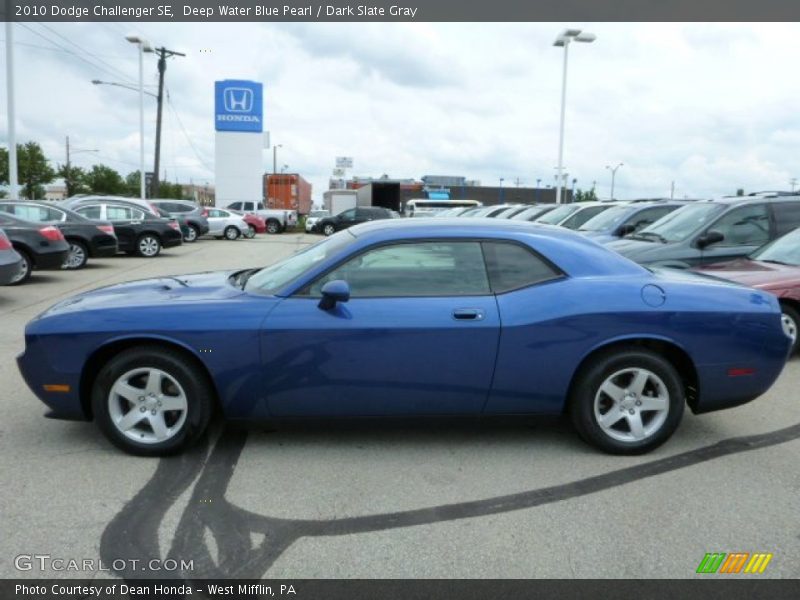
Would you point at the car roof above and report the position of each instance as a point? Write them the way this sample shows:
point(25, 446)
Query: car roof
point(750, 200)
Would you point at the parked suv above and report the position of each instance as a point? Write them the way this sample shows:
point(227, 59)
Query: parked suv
point(193, 215)
point(350, 217)
point(711, 231)
point(619, 221)
point(138, 231)
point(86, 238)
point(41, 246)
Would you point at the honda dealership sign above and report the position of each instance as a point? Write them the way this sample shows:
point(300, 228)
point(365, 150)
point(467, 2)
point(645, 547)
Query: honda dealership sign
point(239, 106)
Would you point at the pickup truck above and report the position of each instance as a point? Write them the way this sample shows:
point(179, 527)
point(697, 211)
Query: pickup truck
point(277, 219)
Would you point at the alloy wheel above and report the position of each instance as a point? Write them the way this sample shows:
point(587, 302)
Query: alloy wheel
point(148, 246)
point(231, 233)
point(147, 405)
point(76, 256)
point(789, 326)
point(631, 405)
point(328, 230)
point(24, 270)
point(191, 234)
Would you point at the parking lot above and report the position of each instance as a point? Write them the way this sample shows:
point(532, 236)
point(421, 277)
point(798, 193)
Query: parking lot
point(520, 498)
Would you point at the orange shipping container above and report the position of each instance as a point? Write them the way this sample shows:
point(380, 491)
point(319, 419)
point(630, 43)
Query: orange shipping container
point(288, 191)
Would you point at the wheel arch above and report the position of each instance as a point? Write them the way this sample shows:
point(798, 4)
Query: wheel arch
point(670, 350)
point(26, 249)
point(101, 355)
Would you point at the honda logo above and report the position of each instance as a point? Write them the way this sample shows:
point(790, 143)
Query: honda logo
point(238, 99)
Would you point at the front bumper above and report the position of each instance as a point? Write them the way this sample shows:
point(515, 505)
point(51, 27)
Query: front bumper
point(37, 374)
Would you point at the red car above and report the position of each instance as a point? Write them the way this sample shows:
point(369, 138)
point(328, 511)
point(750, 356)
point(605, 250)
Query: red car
point(774, 268)
point(255, 223)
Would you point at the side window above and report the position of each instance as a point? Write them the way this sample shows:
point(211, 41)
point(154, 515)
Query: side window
point(580, 217)
point(787, 216)
point(236, 206)
point(118, 213)
point(213, 213)
point(90, 212)
point(743, 226)
point(7, 208)
point(512, 267)
point(408, 270)
point(36, 214)
point(137, 214)
point(648, 216)
point(348, 215)
point(260, 206)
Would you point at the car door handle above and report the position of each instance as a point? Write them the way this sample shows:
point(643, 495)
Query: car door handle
point(468, 314)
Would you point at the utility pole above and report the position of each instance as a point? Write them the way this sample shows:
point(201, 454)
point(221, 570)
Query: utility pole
point(672, 190)
point(163, 55)
point(13, 190)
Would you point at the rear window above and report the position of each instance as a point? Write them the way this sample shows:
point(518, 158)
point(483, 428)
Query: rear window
point(512, 267)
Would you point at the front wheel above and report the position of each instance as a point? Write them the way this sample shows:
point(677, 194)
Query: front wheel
point(231, 233)
point(250, 233)
point(329, 230)
point(151, 401)
point(77, 257)
point(273, 227)
point(790, 320)
point(627, 401)
point(148, 246)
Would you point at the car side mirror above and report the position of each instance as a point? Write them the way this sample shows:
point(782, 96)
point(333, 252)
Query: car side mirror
point(624, 230)
point(333, 292)
point(711, 237)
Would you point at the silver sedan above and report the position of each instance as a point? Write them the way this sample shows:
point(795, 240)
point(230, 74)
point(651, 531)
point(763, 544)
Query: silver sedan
point(224, 223)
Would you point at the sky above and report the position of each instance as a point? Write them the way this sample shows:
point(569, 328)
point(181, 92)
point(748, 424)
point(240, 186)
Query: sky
point(710, 107)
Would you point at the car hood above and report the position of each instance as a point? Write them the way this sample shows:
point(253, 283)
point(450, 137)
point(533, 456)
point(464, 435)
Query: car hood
point(755, 273)
point(637, 249)
point(199, 287)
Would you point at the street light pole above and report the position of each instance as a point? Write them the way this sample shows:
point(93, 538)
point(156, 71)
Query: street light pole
point(564, 39)
point(12, 119)
point(613, 176)
point(275, 158)
point(143, 46)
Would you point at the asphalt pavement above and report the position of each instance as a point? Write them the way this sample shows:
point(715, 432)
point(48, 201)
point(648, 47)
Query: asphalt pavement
point(521, 498)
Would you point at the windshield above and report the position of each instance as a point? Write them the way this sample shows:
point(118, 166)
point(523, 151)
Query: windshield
point(557, 215)
point(680, 224)
point(784, 250)
point(271, 279)
point(319, 213)
point(606, 220)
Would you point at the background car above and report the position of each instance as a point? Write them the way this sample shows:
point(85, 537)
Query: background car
point(74, 201)
point(86, 238)
point(226, 224)
point(10, 260)
point(350, 217)
point(624, 219)
point(138, 231)
point(313, 217)
point(774, 268)
point(410, 317)
point(40, 246)
point(533, 212)
point(255, 223)
point(573, 216)
point(711, 231)
point(487, 211)
point(277, 219)
point(192, 215)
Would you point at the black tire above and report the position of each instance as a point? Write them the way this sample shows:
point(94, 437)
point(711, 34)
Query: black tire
point(192, 233)
point(153, 244)
point(273, 227)
point(328, 229)
point(790, 313)
point(232, 233)
point(80, 252)
point(195, 384)
point(26, 268)
point(596, 372)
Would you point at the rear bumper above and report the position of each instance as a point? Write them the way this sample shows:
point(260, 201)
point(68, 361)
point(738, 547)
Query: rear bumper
point(50, 261)
point(8, 270)
point(170, 240)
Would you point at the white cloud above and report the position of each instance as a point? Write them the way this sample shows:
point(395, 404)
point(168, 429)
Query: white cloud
point(709, 106)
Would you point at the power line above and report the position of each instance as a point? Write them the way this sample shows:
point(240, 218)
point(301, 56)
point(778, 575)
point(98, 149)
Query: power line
point(185, 133)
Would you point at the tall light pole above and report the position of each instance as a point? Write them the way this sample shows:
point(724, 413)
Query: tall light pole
point(144, 46)
point(275, 158)
point(12, 119)
point(502, 179)
point(563, 40)
point(613, 176)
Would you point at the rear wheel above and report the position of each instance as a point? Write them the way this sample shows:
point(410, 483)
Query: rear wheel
point(191, 234)
point(273, 227)
point(148, 246)
point(152, 401)
point(232, 233)
point(627, 401)
point(77, 257)
point(250, 233)
point(790, 319)
point(25, 268)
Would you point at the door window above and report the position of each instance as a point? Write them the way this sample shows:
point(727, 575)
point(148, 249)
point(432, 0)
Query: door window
point(38, 214)
point(118, 213)
point(90, 212)
point(409, 270)
point(787, 216)
point(743, 226)
point(348, 215)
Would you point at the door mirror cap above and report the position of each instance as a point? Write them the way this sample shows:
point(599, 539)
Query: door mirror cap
point(626, 229)
point(333, 292)
point(711, 237)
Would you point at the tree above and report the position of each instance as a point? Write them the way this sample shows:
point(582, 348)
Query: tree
point(74, 178)
point(105, 180)
point(32, 168)
point(581, 196)
point(740, 192)
point(133, 184)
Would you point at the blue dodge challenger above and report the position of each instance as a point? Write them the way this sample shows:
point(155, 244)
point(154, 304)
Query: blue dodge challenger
point(410, 317)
